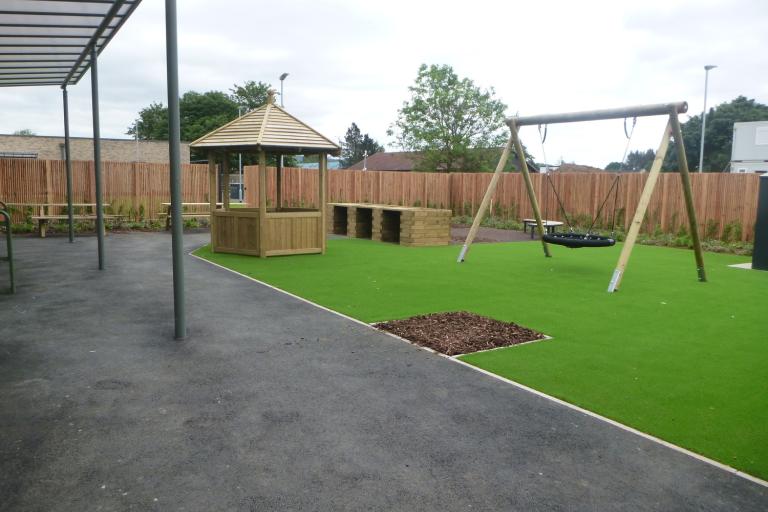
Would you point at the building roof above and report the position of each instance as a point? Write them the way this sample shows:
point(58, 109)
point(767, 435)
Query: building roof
point(402, 161)
point(576, 168)
point(270, 128)
point(395, 161)
point(49, 42)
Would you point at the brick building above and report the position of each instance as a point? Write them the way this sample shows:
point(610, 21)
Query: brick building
point(116, 150)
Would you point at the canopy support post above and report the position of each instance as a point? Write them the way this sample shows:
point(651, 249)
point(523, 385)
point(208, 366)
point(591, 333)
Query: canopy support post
point(685, 177)
point(97, 156)
point(68, 159)
point(642, 206)
point(486, 199)
point(263, 204)
point(174, 152)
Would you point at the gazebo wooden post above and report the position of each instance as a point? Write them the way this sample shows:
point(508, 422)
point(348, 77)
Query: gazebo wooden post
point(263, 204)
point(225, 180)
point(279, 183)
point(212, 194)
point(323, 172)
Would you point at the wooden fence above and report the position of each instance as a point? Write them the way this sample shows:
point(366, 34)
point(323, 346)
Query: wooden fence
point(133, 189)
point(723, 201)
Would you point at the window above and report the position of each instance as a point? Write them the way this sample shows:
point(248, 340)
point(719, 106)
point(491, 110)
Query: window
point(761, 136)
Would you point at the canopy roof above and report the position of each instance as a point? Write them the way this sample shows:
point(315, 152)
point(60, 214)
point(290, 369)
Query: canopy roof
point(47, 42)
point(268, 128)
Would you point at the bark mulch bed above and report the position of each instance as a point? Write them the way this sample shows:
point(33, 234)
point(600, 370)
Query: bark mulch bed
point(459, 332)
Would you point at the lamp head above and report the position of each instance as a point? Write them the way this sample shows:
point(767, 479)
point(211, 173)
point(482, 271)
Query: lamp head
point(709, 66)
point(283, 76)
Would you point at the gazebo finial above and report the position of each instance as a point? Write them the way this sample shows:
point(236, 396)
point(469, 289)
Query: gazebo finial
point(271, 97)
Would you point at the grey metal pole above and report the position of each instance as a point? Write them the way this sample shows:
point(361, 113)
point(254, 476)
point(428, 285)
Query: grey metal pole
point(174, 151)
point(282, 78)
point(704, 116)
point(70, 213)
point(97, 155)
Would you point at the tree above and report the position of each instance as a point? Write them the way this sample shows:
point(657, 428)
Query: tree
point(719, 134)
point(355, 145)
point(635, 161)
point(24, 131)
point(152, 123)
point(200, 113)
point(446, 118)
point(250, 95)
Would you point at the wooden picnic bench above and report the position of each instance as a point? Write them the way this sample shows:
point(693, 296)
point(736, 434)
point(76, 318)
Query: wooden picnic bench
point(186, 215)
point(42, 220)
point(42, 215)
point(549, 225)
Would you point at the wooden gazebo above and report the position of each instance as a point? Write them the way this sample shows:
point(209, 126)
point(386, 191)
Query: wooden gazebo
point(264, 231)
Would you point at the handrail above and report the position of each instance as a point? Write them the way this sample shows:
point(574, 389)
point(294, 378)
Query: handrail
point(9, 239)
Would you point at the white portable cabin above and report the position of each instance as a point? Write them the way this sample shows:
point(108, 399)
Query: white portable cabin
point(749, 153)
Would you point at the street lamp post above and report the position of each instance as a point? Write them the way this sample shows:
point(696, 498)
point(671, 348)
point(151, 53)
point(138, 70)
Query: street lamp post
point(282, 79)
point(282, 104)
point(704, 116)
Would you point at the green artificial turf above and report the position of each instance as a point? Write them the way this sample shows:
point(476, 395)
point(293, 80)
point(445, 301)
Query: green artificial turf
point(681, 360)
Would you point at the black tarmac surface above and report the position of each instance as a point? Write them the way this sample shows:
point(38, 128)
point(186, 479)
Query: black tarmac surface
point(274, 404)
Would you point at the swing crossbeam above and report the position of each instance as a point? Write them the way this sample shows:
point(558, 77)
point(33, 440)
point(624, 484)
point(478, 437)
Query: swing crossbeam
point(658, 109)
point(672, 130)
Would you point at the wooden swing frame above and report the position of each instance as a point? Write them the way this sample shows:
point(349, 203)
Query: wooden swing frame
point(672, 130)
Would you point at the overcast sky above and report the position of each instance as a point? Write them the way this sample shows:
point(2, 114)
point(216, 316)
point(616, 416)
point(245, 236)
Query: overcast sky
point(353, 61)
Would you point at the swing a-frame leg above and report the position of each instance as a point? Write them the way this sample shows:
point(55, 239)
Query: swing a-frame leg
point(672, 129)
point(514, 140)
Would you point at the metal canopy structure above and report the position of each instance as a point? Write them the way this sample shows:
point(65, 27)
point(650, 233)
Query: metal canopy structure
point(54, 43)
point(49, 42)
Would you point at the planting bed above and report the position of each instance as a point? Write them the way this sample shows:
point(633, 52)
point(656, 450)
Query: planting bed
point(459, 332)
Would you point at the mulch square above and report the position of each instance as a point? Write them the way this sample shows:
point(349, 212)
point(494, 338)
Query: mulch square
point(459, 332)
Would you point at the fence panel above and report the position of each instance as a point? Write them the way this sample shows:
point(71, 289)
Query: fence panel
point(725, 203)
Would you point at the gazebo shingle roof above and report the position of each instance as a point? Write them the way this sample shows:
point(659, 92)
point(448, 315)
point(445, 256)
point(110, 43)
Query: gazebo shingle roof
point(269, 127)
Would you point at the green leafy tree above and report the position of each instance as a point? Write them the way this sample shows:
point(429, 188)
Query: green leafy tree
point(636, 161)
point(25, 132)
point(152, 123)
point(446, 118)
point(250, 95)
point(639, 160)
point(201, 113)
point(355, 145)
point(719, 134)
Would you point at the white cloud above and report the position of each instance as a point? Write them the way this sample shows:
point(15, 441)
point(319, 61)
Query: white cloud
point(353, 61)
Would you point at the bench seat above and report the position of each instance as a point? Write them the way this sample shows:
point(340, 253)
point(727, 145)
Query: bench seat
point(42, 220)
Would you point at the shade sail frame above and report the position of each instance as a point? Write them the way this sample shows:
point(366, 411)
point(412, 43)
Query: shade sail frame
point(48, 42)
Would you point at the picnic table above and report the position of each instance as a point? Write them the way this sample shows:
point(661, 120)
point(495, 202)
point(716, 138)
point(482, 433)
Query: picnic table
point(549, 225)
point(42, 213)
point(187, 215)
